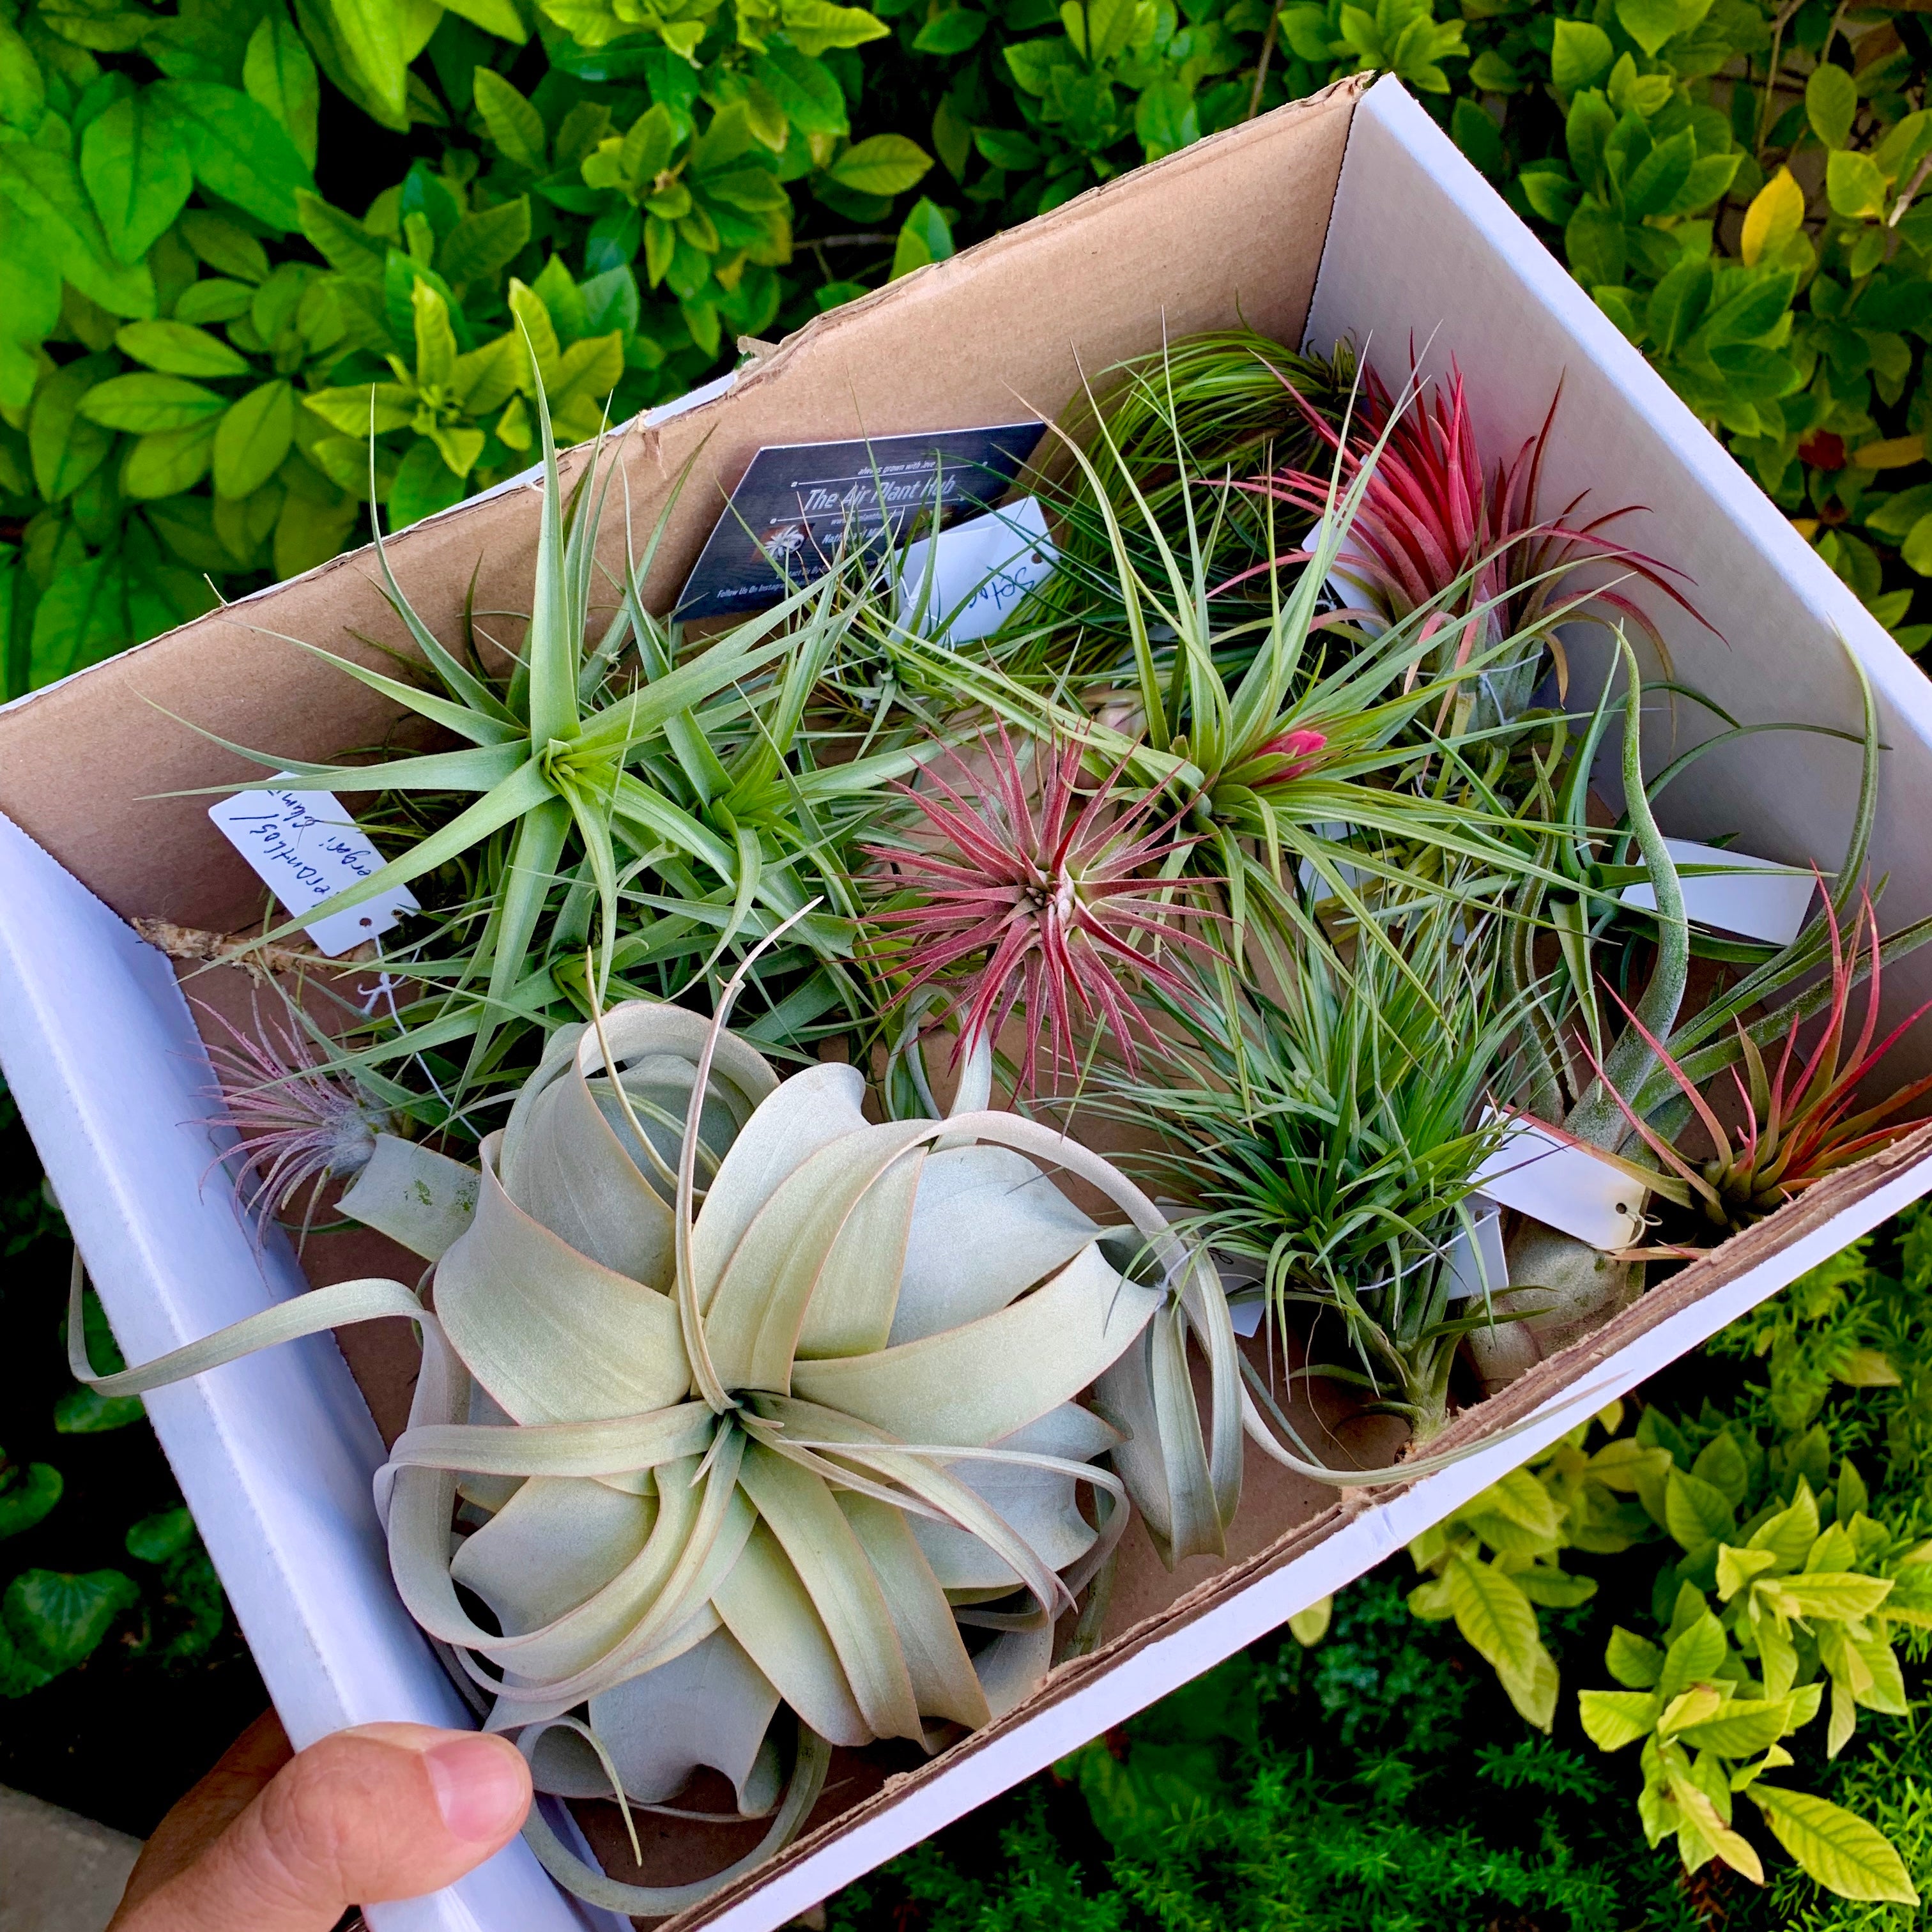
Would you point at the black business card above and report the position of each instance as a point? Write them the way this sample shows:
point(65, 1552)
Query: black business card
point(800, 504)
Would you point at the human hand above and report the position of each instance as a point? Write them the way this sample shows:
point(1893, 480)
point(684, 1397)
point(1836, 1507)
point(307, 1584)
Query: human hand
point(272, 1841)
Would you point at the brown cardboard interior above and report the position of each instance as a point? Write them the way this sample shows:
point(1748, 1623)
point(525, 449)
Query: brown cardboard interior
point(1231, 229)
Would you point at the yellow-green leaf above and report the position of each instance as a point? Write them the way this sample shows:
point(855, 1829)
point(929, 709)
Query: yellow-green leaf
point(1308, 1627)
point(1499, 1621)
point(1775, 214)
point(887, 164)
point(168, 461)
point(143, 405)
point(1834, 1847)
point(1612, 1719)
point(1633, 1660)
point(179, 348)
point(1853, 184)
point(350, 410)
point(1832, 104)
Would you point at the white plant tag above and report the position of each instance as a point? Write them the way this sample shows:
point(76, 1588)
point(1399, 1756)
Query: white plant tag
point(1477, 1264)
point(1755, 899)
point(307, 848)
point(974, 573)
point(1564, 1187)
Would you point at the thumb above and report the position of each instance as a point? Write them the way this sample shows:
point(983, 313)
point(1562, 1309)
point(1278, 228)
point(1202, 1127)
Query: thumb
point(384, 1811)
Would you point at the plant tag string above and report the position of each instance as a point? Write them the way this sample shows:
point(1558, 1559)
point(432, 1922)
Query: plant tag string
point(307, 848)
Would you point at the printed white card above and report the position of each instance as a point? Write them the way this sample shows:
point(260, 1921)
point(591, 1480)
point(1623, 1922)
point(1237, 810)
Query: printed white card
point(1564, 1187)
point(962, 584)
point(307, 848)
point(1755, 899)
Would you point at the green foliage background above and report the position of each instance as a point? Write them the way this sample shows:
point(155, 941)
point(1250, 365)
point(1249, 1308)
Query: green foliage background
point(223, 221)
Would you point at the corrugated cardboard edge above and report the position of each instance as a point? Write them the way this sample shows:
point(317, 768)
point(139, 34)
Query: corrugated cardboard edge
point(1693, 1283)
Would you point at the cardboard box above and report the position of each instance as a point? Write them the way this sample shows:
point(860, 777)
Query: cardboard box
point(1348, 213)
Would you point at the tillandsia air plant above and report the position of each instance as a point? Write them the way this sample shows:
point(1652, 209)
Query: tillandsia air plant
point(745, 1402)
point(1286, 751)
point(298, 1125)
point(623, 808)
point(1801, 1116)
point(1437, 530)
point(1584, 1075)
point(1021, 883)
point(1328, 1139)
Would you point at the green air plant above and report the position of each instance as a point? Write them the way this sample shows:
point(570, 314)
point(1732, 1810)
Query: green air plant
point(1328, 1140)
point(1580, 1072)
point(1288, 748)
point(751, 1401)
point(583, 780)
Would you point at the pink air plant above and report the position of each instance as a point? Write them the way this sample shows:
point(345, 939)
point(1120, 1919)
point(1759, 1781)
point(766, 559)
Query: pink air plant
point(1051, 900)
point(1799, 1123)
point(1429, 516)
point(300, 1126)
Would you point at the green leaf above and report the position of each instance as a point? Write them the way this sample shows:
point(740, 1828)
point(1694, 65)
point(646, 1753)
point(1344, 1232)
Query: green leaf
point(141, 404)
point(805, 89)
point(81, 1412)
point(65, 448)
point(179, 349)
point(1832, 104)
point(1164, 119)
point(240, 151)
point(155, 1538)
point(1834, 1848)
point(1694, 1513)
point(170, 461)
point(1721, 1463)
point(280, 77)
point(1675, 307)
point(1694, 1657)
point(1612, 1719)
point(213, 298)
point(1742, 1728)
point(1499, 1620)
point(1633, 1661)
point(46, 187)
point(1648, 23)
point(515, 125)
point(341, 241)
point(1853, 185)
point(138, 174)
point(954, 32)
point(371, 35)
point(1593, 244)
point(924, 237)
point(887, 164)
point(27, 1495)
point(1838, 1596)
point(253, 438)
point(58, 1620)
point(1657, 180)
point(81, 617)
point(226, 249)
point(1916, 549)
point(425, 484)
point(482, 243)
point(1579, 56)
point(1476, 134)
point(1033, 63)
point(23, 89)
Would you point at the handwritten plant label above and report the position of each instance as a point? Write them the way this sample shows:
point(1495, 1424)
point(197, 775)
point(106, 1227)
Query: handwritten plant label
point(960, 584)
point(307, 849)
point(1564, 1187)
point(1755, 898)
point(1476, 1264)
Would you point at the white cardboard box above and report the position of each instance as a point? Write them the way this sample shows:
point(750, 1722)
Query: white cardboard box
point(274, 1454)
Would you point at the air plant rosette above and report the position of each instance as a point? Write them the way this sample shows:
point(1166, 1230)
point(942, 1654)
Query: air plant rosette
point(773, 1415)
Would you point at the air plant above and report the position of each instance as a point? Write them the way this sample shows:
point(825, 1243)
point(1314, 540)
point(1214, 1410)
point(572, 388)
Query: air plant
point(1288, 755)
point(1033, 888)
point(1578, 1072)
point(1800, 1118)
point(763, 1403)
point(1327, 1141)
point(300, 1124)
point(583, 778)
point(1438, 533)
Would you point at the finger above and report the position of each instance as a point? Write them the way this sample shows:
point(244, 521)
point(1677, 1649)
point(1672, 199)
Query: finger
point(209, 1809)
point(385, 1811)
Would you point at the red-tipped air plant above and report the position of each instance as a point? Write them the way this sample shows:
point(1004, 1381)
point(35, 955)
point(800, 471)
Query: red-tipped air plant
point(1042, 891)
point(1799, 1125)
point(300, 1125)
point(1430, 517)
